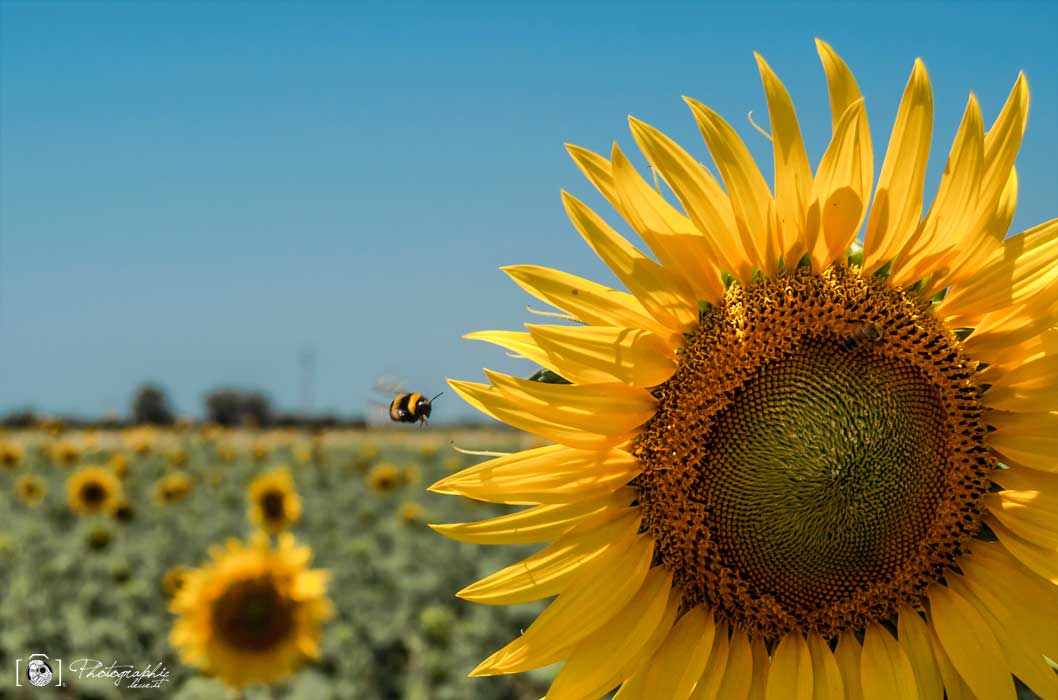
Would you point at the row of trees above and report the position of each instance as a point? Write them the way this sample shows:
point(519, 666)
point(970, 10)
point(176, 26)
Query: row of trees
point(223, 406)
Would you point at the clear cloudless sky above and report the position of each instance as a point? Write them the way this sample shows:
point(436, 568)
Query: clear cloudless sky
point(195, 192)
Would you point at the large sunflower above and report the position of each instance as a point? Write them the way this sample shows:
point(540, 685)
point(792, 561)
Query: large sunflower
point(253, 613)
point(93, 491)
point(274, 501)
point(789, 465)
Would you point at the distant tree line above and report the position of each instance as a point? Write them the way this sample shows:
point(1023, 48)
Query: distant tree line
point(229, 407)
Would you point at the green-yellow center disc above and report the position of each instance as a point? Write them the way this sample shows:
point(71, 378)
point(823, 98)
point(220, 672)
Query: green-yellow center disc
point(816, 460)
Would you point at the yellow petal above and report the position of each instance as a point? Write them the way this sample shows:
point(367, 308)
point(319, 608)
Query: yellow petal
point(679, 246)
point(793, 174)
point(666, 298)
point(841, 85)
point(708, 684)
point(1022, 480)
point(761, 670)
point(1025, 661)
point(1002, 330)
point(913, 634)
point(681, 249)
point(1042, 560)
point(1031, 514)
point(848, 655)
point(517, 342)
point(898, 201)
point(602, 354)
point(590, 302)
point(738, 675)
point(1027, 264)
point(746, 188)
point(969, 644)
point(955, 687)
point(536, 524)
point(552, 474)
point(1014, 594)
point(548, 572)
point(826, 676)
point(598, 662)
point(598, 171)
point(600, 591)
point(701, 196)
point(885, 670)
point(790, 673)
point(491, 402)
point(939, 233)
point(1029, 439)
point(842, 187)
point(611, 408)
point(983, 234)
point(677, 664)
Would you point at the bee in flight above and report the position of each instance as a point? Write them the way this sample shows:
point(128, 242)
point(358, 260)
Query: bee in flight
point(411, 408)
point(867, 333)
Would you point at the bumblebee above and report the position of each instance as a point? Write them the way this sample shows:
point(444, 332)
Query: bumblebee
point(865, 334)
point(410, 408)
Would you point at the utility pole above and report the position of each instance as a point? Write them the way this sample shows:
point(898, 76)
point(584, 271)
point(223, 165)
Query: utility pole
point(307, 360)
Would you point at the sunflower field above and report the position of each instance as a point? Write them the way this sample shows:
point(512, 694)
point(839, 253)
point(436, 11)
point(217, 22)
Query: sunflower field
point(102, 529)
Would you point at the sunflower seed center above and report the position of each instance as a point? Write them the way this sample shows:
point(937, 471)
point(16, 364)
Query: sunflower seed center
point(817, 458)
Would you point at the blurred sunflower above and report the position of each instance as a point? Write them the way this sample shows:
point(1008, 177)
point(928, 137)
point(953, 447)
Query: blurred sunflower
point(30, 489)
point(789, 466)
point(176, 456)
point(64, 453)
point(385, 478)
point(411, 512)
point(141, 441)
point(124, 512)
point(93, 490)
point(119, 464)
point(226, 452)
point(174, 580)
point(366, 454)
point(274, 501)
point(260, 451)
point(172, 488)
point(252, 614)
point(11, 455)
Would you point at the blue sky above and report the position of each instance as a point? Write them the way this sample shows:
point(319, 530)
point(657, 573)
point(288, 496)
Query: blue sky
point(192, 193)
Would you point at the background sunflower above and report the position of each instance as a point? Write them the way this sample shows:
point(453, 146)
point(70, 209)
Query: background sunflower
point(274, 504)
point(93, 491)
point(253, 613)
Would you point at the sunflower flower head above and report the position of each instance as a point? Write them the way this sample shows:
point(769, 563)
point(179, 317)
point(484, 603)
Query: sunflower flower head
point(411, 512)
point(65, 453)
point(11, 455)
point(119, 464)
point(93, 490)
point(141, 441)
point(172, 488)
point(30, 489)
point(810, 452)
point(385, 478)
point(274, 501)
point(174, 579)
point(253, 613)
point(176, 456)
